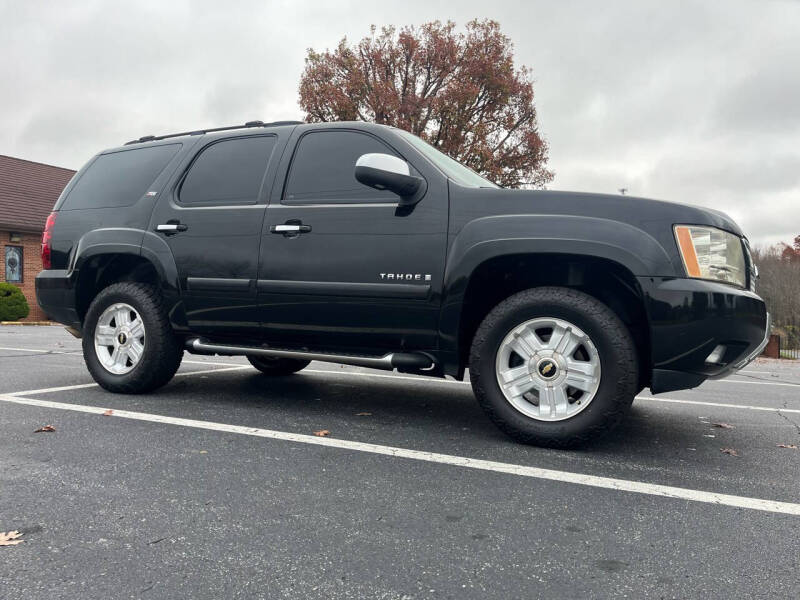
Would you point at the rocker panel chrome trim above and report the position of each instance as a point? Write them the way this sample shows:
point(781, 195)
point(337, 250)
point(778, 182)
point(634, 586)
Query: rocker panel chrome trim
point(386, 362)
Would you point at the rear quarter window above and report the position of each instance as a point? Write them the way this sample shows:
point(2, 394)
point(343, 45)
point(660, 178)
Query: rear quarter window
point(119, 178)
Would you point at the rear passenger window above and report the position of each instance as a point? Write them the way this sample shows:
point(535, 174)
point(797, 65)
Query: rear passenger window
point(119, 178)
point(228, 172)
point(323, 169)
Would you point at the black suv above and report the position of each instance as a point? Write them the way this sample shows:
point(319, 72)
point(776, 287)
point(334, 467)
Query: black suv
point(361, 244)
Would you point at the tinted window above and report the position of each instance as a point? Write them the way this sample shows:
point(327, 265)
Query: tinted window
point(323, 169)
point(119, 178)
point(228, 172)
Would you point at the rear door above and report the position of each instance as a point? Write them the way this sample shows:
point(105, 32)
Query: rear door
point(360, 273)
point(212, 221)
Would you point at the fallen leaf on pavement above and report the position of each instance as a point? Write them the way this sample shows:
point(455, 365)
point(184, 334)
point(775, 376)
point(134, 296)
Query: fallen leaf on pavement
point(792, 446)
point(45, 429)
point(322, 433)
point(730, 451)
point(108, 413)
point(364, 414)
point(9, 538)
point(723, 426)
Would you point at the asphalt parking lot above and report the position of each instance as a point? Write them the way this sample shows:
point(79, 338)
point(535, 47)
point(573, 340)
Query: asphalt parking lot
point(216, 487)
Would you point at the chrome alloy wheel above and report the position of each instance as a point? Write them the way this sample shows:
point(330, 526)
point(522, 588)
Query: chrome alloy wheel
point(119, 338)
point(548, 369)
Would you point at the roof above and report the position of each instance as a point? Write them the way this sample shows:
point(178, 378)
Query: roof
point(28, 191)
point(249, 124)
point(236, 130)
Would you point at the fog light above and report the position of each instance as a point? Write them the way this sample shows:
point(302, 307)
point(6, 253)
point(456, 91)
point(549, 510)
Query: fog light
point(716, 355)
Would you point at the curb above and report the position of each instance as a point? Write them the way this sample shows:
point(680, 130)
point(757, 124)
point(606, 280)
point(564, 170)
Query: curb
point(26, 323)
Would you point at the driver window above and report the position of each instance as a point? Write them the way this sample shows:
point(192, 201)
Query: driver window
point(323, 169)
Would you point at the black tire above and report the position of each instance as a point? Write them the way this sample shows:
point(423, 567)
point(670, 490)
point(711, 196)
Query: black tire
point(618, 363)
point(277, 366)
point(162, 352)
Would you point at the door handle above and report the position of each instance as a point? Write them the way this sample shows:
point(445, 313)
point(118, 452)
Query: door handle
point(290, 228)
point(171, 227)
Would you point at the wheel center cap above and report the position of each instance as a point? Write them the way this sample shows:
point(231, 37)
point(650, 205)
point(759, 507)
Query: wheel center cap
point(122, 337)
point(547, 368)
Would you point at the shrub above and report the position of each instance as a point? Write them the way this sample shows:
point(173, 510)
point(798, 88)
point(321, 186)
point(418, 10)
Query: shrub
point(13, 305)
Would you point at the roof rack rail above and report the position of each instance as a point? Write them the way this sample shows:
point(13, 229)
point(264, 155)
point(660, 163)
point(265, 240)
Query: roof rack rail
point(150, 138)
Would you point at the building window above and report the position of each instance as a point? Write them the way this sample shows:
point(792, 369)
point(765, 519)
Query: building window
point(14, 264)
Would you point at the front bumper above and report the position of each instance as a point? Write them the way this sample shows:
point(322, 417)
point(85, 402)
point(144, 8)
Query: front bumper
point(743, 362)
point(55, 293)
point(690, 319)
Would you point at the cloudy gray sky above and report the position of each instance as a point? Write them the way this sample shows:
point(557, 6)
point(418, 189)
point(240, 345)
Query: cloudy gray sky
point(692, 101)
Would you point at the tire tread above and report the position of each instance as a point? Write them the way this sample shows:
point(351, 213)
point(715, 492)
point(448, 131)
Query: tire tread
point(163, 351)
point(619, 337)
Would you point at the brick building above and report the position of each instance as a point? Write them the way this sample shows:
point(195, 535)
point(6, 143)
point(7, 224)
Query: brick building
point(28, 191)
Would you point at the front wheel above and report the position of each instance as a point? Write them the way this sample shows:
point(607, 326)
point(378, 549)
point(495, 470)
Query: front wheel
point(553, 367)
point(128, 343)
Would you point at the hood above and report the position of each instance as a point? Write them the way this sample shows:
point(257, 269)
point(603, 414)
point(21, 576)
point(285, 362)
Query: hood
point(652, 216)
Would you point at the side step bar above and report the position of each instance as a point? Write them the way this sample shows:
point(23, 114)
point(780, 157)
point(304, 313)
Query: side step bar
point(393, 360)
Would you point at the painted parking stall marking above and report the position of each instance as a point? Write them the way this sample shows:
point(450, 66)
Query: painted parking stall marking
point(622, 485)
point(65, 388)
point(231, 366)
point(28, 398)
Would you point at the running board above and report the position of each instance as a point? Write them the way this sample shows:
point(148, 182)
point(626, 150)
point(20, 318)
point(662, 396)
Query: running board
point(388, 362)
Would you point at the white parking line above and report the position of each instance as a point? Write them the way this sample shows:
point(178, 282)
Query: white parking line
point(738, 381)
point(25, 350)
point(417, 379)
point(80, 386)
point(647, 398)
point(718, 404)
point(56, 351)
point(610, 483)
point(420, 378)
point(210, 362)
point(41, 351)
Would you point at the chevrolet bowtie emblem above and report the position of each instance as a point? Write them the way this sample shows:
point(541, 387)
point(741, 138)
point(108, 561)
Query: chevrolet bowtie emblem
point(547, 368)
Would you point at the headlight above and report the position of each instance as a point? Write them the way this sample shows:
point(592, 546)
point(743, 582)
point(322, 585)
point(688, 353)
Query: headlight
point(710, 253)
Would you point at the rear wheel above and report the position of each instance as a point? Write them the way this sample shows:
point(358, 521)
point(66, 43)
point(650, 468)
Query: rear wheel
point(277, 366)
point(128, 343)
point(553, 367)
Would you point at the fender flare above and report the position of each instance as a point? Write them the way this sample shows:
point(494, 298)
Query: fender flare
point(112, 240)
point(507, 235)
point(135, 242)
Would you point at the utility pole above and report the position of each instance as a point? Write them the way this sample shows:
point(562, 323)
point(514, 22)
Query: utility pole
point(623, 190)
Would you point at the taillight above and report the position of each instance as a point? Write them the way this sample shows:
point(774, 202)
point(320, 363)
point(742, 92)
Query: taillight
point(47, 237)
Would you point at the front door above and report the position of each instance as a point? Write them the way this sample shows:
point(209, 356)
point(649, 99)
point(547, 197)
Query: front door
point(212, 224)
point(342, 265)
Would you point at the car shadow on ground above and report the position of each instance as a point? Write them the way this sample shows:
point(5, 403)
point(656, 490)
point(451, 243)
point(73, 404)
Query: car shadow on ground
point(435, 409)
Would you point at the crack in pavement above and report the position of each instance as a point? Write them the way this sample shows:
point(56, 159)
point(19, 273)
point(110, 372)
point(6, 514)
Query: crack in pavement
point(788, 420)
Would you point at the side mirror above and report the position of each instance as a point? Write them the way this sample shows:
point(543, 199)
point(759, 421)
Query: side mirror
point(387, 172)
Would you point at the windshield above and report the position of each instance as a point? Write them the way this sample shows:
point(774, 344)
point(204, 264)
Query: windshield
point(452, 168)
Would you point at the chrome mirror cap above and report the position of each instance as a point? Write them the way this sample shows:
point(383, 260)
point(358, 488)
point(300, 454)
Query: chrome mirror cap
point(384, 162)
